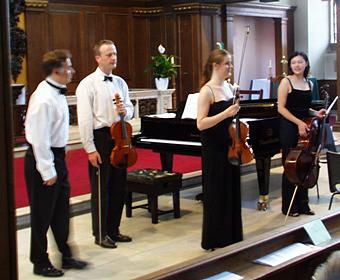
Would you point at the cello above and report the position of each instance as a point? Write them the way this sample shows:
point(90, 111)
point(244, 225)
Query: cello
point(239, 151)
point(123, 154)
point(302, 163)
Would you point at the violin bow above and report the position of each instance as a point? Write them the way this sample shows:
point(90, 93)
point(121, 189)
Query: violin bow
point(244, 46)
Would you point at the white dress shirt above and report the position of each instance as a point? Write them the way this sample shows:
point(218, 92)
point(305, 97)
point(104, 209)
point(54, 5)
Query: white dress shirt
point(47, 125)
point(95, 104)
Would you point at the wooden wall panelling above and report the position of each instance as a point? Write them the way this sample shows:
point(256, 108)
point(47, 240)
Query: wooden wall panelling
point(37, 44)
point(65, 30)
point(290, 30)
point(278, 46)
point(141, 51)
point(92, 33)
point(186, 45)
point(210, 34)
point(229, 44)
point(117, 27)
point(170, 33)
point(171, 38)
point(157, 37)
point(196, 62)
point(157, 34)
point(207, 43)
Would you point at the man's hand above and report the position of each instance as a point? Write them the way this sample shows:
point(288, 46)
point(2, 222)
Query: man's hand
point(94, 158)
point(50, 182)
point(121, 109)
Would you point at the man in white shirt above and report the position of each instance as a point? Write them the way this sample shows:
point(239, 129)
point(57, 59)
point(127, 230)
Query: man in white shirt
point(47, 127)
point(96, 113)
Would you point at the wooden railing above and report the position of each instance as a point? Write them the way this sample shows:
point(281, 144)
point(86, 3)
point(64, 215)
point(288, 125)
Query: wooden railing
point(238, 258)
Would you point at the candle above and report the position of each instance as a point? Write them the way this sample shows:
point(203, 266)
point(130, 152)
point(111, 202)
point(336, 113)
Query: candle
point(172, 60)
point(270, 63)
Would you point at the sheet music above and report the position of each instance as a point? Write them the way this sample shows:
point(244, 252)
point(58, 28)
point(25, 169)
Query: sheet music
point(285, 254)
point(263, 84)
point(225, 276)
point(164, 116)
point(190, 109)
point(317, 232)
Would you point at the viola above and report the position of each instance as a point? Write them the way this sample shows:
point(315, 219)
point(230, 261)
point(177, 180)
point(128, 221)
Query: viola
point(239, 152)
point(123, 154)
point(302, 163)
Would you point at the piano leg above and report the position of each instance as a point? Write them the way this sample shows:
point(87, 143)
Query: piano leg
point(263, 173)
point(166, 161)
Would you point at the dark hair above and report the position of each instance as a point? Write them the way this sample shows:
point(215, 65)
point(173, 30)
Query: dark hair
point(216, 56)
point(54, 60)
point(99, 44)
point(305, 57)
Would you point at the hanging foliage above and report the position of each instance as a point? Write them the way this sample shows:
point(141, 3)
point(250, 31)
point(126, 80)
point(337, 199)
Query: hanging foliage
point(18, 38)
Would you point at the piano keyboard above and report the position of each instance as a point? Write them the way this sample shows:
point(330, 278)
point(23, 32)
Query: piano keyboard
point(166, 141)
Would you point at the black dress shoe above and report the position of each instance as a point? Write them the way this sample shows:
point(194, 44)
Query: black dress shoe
point(121, 238)
point(308, 212)
point(48, 271)
point(69, 263)
point(107, 242)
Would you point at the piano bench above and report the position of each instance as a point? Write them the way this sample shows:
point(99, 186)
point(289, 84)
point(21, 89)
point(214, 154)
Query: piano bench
point(153, 182)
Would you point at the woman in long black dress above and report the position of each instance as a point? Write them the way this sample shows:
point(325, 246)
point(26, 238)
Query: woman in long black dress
point(222, 221)
point(294, 101)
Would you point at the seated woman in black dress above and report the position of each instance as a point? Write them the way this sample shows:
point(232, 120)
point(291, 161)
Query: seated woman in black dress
point(294, 101)
point(222, 221)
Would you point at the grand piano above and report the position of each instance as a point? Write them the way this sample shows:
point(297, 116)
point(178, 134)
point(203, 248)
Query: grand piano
point(169, 136)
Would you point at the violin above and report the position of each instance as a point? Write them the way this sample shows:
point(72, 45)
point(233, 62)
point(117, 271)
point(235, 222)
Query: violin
point(302, 163)
point(239, 152)
point(123, 154)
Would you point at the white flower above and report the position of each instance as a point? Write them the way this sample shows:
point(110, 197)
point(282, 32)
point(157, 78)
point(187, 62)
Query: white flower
point(161, 49)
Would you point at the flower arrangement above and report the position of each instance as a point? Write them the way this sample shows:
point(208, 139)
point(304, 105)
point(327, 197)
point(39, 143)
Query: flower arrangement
point(163, 65)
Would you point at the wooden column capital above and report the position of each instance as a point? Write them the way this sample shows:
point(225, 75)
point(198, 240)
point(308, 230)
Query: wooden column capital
point(36, 3)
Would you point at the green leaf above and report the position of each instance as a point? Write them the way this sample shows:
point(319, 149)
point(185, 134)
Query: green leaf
point(161, 66)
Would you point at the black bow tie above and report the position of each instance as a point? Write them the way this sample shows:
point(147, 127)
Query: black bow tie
point(62, 90)
point(107, 78)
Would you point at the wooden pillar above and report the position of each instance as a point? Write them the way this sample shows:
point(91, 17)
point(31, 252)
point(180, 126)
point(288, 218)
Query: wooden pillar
point(278, 46)
point(8, 260)
point(230, 34)
point(337, 124)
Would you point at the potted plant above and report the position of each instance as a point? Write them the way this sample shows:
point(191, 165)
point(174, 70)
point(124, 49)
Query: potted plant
point(163, 68)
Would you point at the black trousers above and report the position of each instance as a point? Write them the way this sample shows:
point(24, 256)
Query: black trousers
point(289, 139)
point(49, 207)
point(112, 185)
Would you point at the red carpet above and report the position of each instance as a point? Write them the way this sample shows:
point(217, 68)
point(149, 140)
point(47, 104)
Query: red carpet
point(78, 174)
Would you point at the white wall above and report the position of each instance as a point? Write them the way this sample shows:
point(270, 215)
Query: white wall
point(318, 40)
point(259, 50)
point(311, 30)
